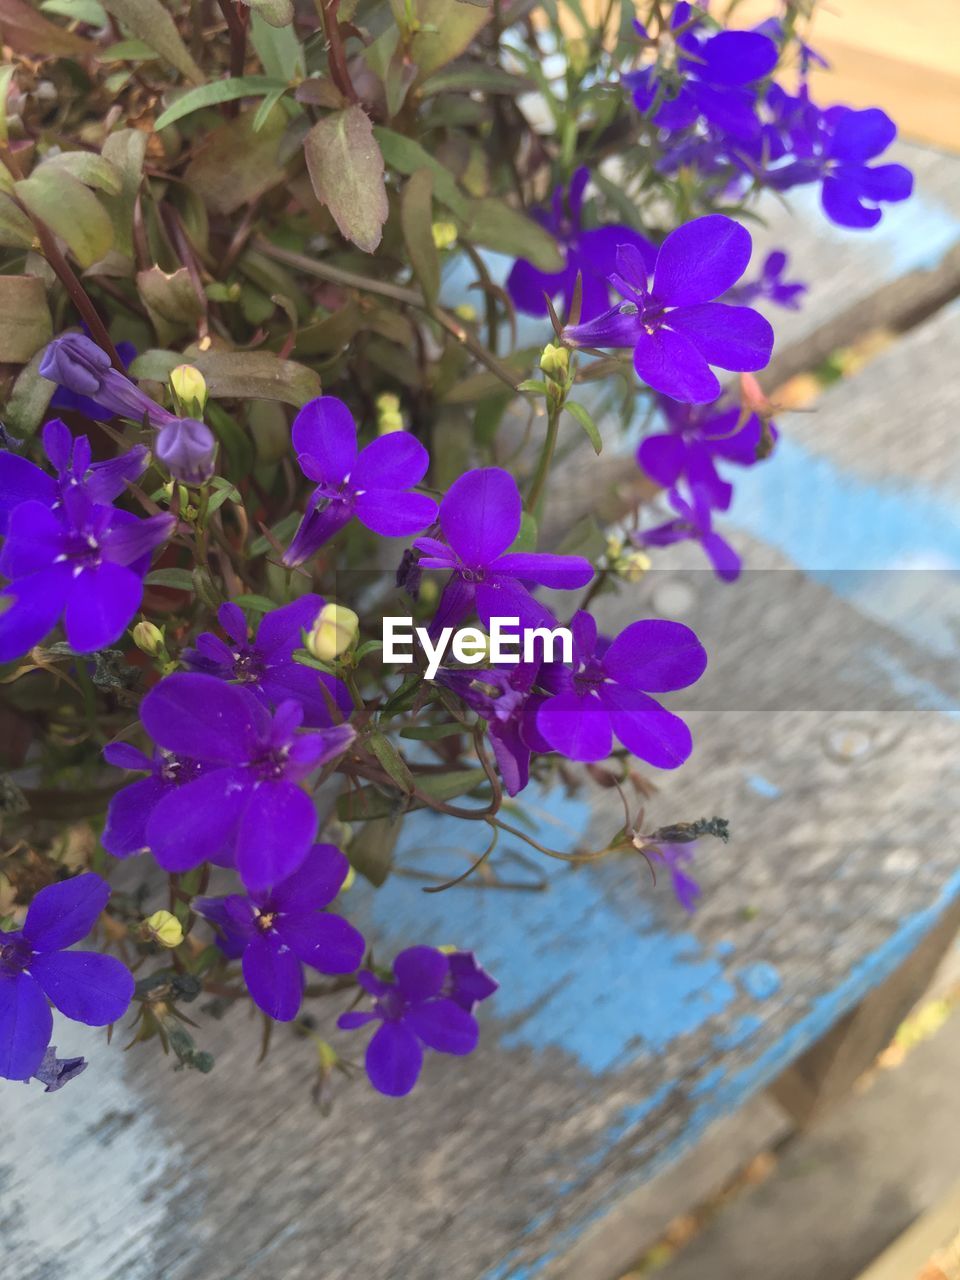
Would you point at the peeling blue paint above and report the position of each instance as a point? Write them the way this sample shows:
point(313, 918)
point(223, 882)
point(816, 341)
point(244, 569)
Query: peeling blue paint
point(743, 1030)
point(760, 980)
point(763, 786)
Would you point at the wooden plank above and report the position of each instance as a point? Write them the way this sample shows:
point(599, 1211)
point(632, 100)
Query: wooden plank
point(925, 1251)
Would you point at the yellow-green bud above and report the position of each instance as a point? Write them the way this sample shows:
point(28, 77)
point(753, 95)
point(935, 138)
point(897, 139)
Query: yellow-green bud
point(334, 632)
point(555, 362)
point(635, 564)
point(149, 639)
point(389, 417)
point(448, 948)
point(189, 388)
point(349, 880)
point(328, 1056)
point(444, 234)
point(466, 312)
point(164, 928)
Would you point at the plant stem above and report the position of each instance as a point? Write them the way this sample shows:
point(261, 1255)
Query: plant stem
point(536, 495)
point(237, 26)
point(336, 54)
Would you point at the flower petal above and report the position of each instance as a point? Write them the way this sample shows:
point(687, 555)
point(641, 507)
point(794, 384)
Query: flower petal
point(648, 730)
point(578, 727)
point(420, 972)
point(100, 603)
point(655, 655)
point(891, 182)
point(393, 514)
point(26, 1025)
point(736, 338)
point(860, 135)
point(443, 1025)
point(62, 914)
point(315, 883)
point(325, 430)
point(277, 829)
point(22, 481)
point(395, 461)
point(700, 260)
point(564, 573)
point(662, 457)
point(35, 538)
point(202, 717)
point(726, 563)
point(526, 286)
point(324, 941)
point(197, 821)
point(125, 830)
point(29, 609)
point(235, 919)
point(670, 363)
point(393, 1060)
point(735, 57)
point(85, 985)
point(279, 633)
point(480, 515)
point(274, 977)
point(842, 203)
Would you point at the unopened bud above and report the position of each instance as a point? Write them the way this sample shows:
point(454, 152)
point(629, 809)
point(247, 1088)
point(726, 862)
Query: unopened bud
point(389, 417)
point(349, 880)
point(189, 388)
point(555, 362)
point(334, 632)
point(634, 565)
point(164, 928)
point(466, 312)
point(149, 639)
point(444, 234)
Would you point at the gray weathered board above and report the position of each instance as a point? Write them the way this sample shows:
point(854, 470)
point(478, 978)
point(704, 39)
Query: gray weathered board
point(826, 730)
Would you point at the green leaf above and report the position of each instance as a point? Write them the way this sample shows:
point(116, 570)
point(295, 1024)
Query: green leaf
point(88, 11)
point(70, 210)
point(280, 532)
point(432, 732)
point(277, 13)
point(534, 386)
point(155, 365)
point(392, 761)
point(6, 75)
point(178, 579)
point(278, 49)
point(90, 169)
point(217, 91)
point(29, 398)
point(402, 697)
point(170, 298)
point(346, 171)
point(586, 538)
point(151, 22)
point(125, 150)
point(447, 786)
point(416, 219)
point(257, 604)
point(127, 51)
point(407, 156)
point(262, 114)
point(526, 539)
point(371, 849)
point(445, 30)
point(16, 229)
point(496, 225)
point(25, 322)
point(473, 77)
point(588, 424)
point(237, 163)
point(257, 375)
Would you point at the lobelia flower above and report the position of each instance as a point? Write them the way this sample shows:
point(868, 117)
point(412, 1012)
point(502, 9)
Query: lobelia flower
point(606, 692)
point(83, 561)
point(676, 329)
point(276, 932)
point(186, 447)
point(53, 1072)
point(36, 967)
point(467, 984)
point(480, 518)
point(693, 523)
point(130, 809)
point(266, 665)
point(246, 801)
point(73, 402)
point(676, 857)
point(771, 285)
point(414, 1010)
point(589, 253)
point(716, 78)
point(372, 484)
point(71, 457)
point(505, 697)
point(699, 436)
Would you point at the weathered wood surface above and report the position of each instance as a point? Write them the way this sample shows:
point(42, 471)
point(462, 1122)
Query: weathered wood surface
point(827, 730)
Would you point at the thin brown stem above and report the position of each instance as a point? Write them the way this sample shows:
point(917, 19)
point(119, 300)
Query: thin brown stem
point(236, 20)
point(336, 54)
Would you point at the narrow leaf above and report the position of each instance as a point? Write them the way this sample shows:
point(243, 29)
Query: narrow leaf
point(416, 219)
point(90, 169)
point(588, 424)
point(152, 23)
point(257, 375)
point(70, 210)
point(406, 157)
point(27, 31)
point(217, 91)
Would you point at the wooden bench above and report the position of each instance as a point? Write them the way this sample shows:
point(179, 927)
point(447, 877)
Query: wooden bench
point(607, 1094)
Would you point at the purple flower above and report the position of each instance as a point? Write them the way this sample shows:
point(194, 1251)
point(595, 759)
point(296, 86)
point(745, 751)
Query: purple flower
point(246, 803)
point(35, 967)
point(22, 480)
point(53, 1072)
point(83, 561)
point(277, 932)
point(505, 697)
point(372, 484)
point(606, 692)
point(130, 809)
point(186, 447)
point(771, 285)
point(480, 517)
point(414, 1010)
point(694, 522)
point(266, 664)
point(674, 327)
point(716, 78)
point(697, 437)
point(74, 402)
point(467, 984)
point(590, 253)
point(676, 857)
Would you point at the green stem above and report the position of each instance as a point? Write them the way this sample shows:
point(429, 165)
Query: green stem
point(536, 496)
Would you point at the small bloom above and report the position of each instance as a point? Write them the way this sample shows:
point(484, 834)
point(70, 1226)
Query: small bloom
point(36, 967)
point(164, 927)
point(187, 449)
point(606, 692)
point(694, 523)
point(266, 663)
point(389, 415)
point(372, 484)
point(467, 984)
point(677, 857)
point(414, 1010)
point(480, 517)
point(130, 809)
point(676, 329)
point(53, 1072)
point(334, 632)
point(591, 254)
point(771, 285)
point(67, 401)
point(555, 361)
point(506, 698)
point(444, 234)
point(247, 803)
point(275, 933)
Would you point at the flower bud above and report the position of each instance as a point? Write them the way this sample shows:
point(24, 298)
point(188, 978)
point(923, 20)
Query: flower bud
point(555, 362)
point(466, 312)
point(189, 388)
point(389, 417)
point(349, 880)
point(187, 449)
point(334, 632)
point(149, 639)
point(164, 928)
point(444, 234)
